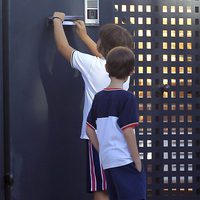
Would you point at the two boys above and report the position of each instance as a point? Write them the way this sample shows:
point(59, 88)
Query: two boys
point(95, 76)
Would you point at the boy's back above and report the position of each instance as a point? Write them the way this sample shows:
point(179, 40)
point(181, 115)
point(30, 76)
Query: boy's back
point(95, 78)
point(114, 109)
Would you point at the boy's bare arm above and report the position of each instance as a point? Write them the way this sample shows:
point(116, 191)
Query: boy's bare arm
point(82, 33)
point(129, 134)
point(93, 137)
point(60, 38)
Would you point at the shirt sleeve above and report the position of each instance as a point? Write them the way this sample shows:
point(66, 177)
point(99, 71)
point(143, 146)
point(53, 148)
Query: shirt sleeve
point(129, 114)
point(91, 119)
point(81, 61)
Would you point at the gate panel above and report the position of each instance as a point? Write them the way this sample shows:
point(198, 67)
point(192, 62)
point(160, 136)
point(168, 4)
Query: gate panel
point(166, 36)
point(46, 98)
point(1, 112)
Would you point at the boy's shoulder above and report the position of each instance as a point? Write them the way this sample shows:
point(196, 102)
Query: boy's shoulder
point(118, 96)
point(79, 54)
point(128, 94)
point(102, 92)
point(119, 92)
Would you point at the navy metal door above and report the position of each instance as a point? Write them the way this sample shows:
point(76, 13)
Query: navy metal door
point(1, 112)
point(47, 158)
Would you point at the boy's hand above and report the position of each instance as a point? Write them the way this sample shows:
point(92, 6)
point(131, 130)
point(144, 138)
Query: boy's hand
point(81, 29)
point(82, 33)
point(138, 165)
point(59, 15)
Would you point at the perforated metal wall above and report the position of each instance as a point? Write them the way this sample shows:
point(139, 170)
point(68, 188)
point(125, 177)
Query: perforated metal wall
point(166, 38)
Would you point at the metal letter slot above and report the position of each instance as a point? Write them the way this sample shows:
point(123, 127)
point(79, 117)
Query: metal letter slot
point(68, 20)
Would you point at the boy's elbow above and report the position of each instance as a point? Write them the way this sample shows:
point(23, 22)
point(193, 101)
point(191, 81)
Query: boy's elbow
point(128, 131)
point(65, 51)
point(89, 131)
point(61, 48)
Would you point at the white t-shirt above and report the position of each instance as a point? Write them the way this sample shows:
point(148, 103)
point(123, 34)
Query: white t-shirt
point(95, 77)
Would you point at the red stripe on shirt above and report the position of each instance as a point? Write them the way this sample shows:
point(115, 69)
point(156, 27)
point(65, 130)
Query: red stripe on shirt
point(92, 127)
point(111, 89)
point(130, 125)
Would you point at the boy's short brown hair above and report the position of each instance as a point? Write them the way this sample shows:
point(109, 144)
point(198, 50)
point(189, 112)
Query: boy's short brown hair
point(112, 35)
point(120, 62)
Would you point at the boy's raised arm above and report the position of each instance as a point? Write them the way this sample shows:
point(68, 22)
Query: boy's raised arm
point(60, 38)
point(82, 33)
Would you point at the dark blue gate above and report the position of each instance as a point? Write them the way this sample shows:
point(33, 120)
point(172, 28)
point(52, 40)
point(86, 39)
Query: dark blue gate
point(42, 109)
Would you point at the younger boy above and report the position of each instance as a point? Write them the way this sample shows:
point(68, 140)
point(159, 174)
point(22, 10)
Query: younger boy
point(114, 115)
point(92, 69)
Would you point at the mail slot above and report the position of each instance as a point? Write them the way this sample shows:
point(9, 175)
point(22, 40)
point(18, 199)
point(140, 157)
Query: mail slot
point(91, 14)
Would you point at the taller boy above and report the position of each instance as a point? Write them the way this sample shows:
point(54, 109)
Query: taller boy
point(92, 69)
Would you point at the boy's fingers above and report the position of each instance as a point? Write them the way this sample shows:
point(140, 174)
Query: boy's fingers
point(59, 14)
point(77, 23)
point(80, 23)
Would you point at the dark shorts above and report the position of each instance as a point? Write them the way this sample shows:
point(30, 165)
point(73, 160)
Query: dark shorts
point(126, 183)
point(96, 180)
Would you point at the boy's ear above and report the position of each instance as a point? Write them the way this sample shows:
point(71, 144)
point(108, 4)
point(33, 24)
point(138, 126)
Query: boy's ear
point(99, 47)
point(131, 73)
point(106, 67)
point(101, 51)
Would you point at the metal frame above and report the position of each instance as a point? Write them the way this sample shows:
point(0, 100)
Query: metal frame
point(160, 137)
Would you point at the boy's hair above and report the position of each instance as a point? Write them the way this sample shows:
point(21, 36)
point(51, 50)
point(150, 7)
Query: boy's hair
point(112, 35)
point(120, 62)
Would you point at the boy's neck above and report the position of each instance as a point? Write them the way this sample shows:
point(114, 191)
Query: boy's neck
point(116, 83)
